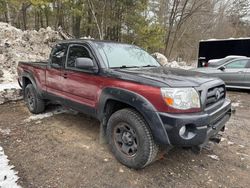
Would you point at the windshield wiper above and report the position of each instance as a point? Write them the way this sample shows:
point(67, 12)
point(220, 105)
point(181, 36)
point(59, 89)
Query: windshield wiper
point(124, 67)
point(149, 66)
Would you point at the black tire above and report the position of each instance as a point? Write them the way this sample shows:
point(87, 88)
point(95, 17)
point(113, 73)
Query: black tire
point(35, 104)
point(130, 139)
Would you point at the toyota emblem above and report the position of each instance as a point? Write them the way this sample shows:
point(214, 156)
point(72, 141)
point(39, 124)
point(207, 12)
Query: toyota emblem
point(217, 95)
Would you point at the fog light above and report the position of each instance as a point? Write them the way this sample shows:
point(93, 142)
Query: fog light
point(182, 130)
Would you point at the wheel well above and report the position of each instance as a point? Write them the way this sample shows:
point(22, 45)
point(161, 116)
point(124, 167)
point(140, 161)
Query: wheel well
point(26, 81)
point(111, 107)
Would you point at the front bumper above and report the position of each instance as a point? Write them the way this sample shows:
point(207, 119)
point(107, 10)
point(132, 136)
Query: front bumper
point(187, 130)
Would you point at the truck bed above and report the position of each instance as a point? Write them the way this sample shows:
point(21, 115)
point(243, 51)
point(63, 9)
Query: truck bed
point(37, 69)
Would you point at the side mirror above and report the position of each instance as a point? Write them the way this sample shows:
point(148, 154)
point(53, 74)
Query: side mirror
point(84, 63)
point(222, 68)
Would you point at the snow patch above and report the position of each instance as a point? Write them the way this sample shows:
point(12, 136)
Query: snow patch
point(235, 104)
point(10, 85)
point(8, 176)
point(56, 111)
point(10, 92)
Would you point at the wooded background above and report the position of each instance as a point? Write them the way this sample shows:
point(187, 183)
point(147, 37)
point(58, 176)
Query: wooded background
point(172, 27)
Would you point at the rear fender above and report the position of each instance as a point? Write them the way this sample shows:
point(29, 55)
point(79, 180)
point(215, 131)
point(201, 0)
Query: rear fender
point(30, 77)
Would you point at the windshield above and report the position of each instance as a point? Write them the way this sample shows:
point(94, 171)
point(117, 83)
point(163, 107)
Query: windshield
point(220, 62)
point(118, 55)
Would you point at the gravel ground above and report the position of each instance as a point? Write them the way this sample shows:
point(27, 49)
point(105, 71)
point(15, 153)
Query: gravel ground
point(62, 149)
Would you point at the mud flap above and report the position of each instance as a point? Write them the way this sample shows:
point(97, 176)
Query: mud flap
point(102, 135)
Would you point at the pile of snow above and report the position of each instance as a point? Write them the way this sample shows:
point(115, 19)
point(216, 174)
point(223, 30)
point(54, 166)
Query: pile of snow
point(10, 92)
point(17, 45)
point(173, 64)
point(8, 177)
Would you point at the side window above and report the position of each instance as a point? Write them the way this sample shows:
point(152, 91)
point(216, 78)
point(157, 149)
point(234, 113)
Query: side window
point(248, 64)
point(237, 64)
point(76, 52)
point(58, 55)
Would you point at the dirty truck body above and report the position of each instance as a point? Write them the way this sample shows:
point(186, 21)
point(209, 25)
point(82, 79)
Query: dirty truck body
point(141, 105)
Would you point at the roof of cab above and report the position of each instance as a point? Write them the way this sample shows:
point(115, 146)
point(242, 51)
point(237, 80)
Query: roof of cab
point(87, 41)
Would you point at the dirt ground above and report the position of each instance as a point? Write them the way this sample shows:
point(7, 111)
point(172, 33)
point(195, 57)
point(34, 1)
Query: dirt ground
point(64, 151)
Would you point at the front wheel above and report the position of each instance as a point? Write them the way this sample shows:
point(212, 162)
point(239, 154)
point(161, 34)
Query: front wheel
point(130, 139)
point(34, 103)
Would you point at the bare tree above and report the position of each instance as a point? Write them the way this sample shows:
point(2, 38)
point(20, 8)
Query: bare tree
point(98, 21)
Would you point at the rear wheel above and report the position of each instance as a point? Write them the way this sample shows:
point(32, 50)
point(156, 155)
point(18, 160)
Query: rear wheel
point(35, 104)
point(130, 139)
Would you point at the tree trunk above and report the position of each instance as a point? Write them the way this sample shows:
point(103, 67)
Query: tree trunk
point(7, 13)
point(46, 13)
point(76, 29)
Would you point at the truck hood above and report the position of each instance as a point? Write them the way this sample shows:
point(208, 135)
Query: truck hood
point(207, 70)
point(163, 76)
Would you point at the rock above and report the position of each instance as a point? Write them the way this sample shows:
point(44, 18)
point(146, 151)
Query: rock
point(173, 64)
point(121, 170)
point(160, 58)
point(215, 157)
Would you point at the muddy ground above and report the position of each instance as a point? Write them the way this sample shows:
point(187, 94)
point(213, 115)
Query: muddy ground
point(64, 151)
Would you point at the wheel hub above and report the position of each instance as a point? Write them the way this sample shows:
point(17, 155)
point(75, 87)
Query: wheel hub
point(127, 138)
point(30, 99)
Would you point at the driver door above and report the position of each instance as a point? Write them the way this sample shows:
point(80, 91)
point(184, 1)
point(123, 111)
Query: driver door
point(234, 72)
point(80, 87)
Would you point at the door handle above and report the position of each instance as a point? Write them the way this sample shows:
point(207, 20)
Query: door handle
point(65, 75)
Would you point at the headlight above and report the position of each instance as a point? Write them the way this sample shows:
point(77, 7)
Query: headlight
point(181, 98)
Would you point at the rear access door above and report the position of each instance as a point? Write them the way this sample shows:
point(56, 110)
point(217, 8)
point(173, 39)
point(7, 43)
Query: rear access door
point(54, 80)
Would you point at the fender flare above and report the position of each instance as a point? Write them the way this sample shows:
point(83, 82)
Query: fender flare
point(141, 104)
point(29, 76)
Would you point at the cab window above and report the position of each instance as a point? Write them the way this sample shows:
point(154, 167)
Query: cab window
point(239, 64)
point(58, 55)
point(76, 51)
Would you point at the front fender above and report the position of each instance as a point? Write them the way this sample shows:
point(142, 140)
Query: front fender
point(141, 104)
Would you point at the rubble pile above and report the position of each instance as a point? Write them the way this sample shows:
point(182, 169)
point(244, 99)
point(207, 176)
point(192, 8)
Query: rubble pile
point(17, 45)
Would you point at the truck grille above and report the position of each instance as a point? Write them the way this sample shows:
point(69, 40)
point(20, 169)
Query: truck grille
point(215, 94)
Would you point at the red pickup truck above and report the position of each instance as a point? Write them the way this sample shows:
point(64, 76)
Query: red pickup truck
point(141, 105)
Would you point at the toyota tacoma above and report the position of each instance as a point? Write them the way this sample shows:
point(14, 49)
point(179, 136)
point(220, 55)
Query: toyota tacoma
point(141, 105)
